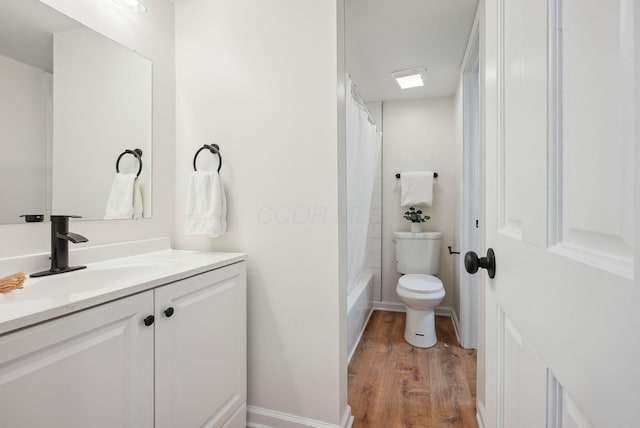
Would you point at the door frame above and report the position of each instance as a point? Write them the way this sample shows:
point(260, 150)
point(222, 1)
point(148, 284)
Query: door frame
point(472, 175)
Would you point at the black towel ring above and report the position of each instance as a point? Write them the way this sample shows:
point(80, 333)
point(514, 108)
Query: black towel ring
point(214, 149)
point(138, 155)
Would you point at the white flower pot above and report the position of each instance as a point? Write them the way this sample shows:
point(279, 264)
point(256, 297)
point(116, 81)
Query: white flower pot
point(416, 227)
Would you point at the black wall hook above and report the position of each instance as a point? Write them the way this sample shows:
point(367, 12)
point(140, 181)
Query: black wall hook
point(214, 149)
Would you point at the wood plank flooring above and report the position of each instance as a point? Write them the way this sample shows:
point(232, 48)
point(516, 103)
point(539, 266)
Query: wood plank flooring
point(394, 385)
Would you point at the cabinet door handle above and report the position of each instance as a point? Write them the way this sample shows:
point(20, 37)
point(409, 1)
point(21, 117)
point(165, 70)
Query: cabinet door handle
point(168, 312)
point(149, 320)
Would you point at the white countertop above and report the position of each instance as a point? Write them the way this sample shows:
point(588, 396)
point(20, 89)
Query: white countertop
point(49, 297)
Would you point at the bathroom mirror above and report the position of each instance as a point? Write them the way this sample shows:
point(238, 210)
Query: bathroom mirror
point(71, 102)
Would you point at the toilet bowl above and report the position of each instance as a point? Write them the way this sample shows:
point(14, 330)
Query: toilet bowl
point(420, 294)
point(418, 258)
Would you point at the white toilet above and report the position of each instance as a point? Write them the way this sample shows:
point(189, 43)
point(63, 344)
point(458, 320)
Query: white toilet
point(417, 258)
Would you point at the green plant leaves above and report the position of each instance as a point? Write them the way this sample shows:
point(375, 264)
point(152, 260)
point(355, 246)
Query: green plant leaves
point(415, 216)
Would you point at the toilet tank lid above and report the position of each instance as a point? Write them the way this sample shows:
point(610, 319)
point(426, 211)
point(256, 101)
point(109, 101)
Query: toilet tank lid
point(417, 235)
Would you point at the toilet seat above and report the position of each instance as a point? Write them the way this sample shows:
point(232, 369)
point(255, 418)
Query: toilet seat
point(419, 283)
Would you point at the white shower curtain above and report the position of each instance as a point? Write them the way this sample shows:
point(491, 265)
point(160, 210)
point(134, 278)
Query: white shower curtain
point(363, 146)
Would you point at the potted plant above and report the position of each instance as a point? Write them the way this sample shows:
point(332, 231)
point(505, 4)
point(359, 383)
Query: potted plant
point(416, 218)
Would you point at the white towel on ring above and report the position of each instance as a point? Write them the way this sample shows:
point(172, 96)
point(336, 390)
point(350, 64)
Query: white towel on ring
point(416, 189)
point(121, 197)
point(138, 207)
point(206, 205)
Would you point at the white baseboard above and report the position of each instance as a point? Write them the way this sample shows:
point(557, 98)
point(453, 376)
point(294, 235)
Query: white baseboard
point(389, 306)
point(364, 327)
point(446, 311)
point(347, 417)
point(258, 417)
point(480, 414)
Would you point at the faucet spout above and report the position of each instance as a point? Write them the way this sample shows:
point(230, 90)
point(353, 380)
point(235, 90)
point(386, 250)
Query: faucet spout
point(60, 238)
point(74, 238)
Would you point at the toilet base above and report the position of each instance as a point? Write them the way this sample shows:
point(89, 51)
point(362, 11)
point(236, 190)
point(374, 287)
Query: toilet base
point(420, 328)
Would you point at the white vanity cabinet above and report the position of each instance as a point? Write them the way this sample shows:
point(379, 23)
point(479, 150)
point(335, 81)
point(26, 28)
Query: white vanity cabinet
point(104, 367)
point(89, 369)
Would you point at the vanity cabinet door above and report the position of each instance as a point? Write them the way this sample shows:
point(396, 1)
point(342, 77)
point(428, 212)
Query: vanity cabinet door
point(201, 349)
point(93, 368)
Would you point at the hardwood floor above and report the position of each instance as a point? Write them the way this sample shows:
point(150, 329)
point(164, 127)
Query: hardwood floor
point(392, 384)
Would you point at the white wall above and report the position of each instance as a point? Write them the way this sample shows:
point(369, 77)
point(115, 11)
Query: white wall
point(102, 107)
point(22, 139)
point(419, 135)
point(151, 35)
point(260, 79)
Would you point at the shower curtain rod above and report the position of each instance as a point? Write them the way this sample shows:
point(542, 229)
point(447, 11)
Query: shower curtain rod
point(358, 98)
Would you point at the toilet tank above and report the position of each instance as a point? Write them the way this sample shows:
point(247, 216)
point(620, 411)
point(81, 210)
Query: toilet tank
point(417, 252)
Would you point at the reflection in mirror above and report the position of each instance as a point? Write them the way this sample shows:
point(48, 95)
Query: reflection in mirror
point(23, 89)
point(102, 107)
point(26, 61)
point(71, 101)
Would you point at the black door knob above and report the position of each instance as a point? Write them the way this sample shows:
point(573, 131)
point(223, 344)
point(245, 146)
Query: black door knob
point(168, 312)
point(149, 320)
point(472, 262)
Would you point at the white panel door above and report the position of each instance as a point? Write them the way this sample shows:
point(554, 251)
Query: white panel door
point(89, 369)
point(201, 347)
point(562, 323)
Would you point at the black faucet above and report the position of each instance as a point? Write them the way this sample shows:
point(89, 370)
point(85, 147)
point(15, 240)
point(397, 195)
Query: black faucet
point(60, 237)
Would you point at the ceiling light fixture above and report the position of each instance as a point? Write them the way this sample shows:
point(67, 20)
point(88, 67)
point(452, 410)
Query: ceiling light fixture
point(411, 78)
point(135, 5)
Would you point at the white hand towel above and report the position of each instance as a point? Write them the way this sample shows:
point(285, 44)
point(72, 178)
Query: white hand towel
point(206, 205)
point(416, 189)
point(138, 207)
point(120, 202)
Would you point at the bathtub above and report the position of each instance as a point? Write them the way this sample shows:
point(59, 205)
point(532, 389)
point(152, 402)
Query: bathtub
point(359, 308)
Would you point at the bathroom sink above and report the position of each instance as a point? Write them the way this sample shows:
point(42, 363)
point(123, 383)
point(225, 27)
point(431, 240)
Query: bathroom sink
point(111, 274)
point(94, 277)
point(125, 269)
point(126, 273)
point(103, 281)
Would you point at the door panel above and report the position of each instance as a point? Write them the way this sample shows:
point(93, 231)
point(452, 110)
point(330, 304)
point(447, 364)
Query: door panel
point(560, 108)
point(595, 135)
point(523, 117)
point(572, 417)
point(524, 381)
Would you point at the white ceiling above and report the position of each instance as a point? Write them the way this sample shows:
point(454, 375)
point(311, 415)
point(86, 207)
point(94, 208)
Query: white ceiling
point(26, 28)
point(383, 36)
